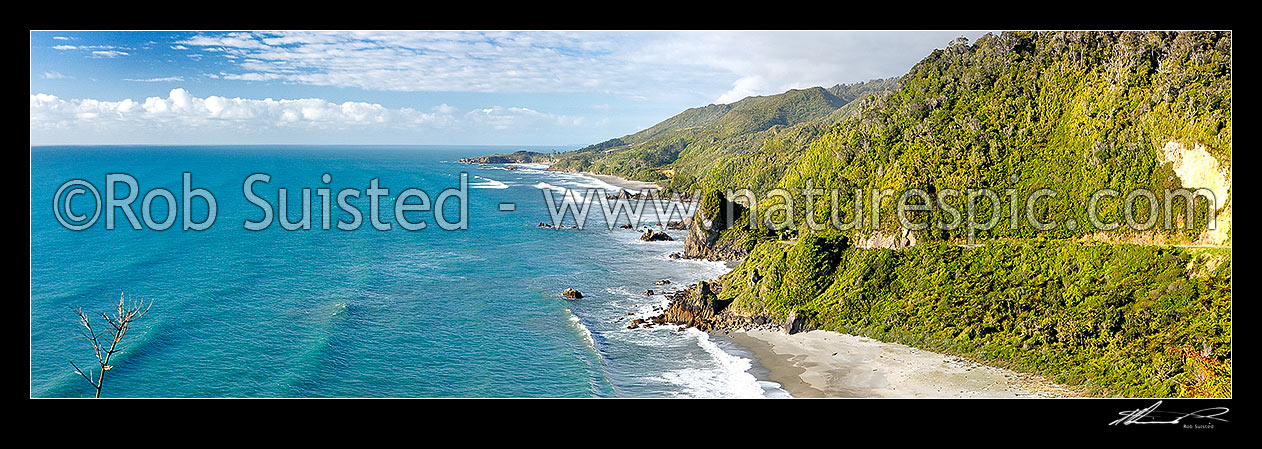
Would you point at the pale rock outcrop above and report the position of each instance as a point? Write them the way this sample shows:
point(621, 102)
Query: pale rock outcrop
point(1196, 169)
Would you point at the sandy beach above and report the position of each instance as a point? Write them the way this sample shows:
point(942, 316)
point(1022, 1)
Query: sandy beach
point(824, 364)
point(632, 186)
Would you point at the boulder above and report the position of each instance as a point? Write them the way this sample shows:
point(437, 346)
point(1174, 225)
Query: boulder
point(794, 324)
point(655, 236)
point(572, 294)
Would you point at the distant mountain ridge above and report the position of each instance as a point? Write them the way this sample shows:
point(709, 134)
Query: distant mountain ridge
point(697, 143)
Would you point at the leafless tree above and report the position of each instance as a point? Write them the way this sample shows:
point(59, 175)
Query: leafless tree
point(110, 341)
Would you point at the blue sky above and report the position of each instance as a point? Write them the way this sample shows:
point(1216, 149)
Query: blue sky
point(416, 87)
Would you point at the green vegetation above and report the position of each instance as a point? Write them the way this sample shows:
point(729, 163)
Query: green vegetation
point(1074, 112)
point(746, 144)
point(1113, 319)
point(1071, 112)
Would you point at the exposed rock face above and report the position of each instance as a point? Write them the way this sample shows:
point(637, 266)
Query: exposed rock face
point(572, 294)
point(702, 241)
point(698, 306)
point(655, 236)
point(794, 324)
point(693, 308)
point(1197, 169)
point(902, 239)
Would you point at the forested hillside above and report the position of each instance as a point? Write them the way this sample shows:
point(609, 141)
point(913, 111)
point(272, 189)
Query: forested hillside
point(1071, 112)
point(1112, 319)
point(728, 145)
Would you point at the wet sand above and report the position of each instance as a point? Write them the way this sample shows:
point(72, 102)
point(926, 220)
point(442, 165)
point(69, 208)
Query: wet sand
point(824, 364)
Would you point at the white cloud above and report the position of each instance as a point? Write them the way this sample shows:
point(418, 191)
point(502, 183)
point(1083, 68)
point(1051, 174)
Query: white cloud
point(428, 61)
point(499, 117)
point(96, 51)
point(181, 110)
point(54, 75)
point(181, 106)
point(744, 87)
point(724, 66)
point(62, 38)
point(156, 80)
point(775, 61)
point(252, 76)
point(108, 53)
point(233, 40)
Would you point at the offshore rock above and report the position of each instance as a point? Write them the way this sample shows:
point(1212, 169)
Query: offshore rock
point(655, 236)
point(572, 294)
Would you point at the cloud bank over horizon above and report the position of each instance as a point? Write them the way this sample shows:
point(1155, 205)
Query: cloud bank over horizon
point(180, 110)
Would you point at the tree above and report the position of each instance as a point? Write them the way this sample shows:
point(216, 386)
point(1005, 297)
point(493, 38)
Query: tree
point(106, 343)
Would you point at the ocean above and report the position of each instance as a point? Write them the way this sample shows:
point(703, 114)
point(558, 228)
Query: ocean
point(473, 312)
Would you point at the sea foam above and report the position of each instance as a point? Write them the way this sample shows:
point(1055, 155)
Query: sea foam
point(487, 183)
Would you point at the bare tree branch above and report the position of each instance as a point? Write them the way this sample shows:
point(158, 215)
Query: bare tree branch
point(125, 314)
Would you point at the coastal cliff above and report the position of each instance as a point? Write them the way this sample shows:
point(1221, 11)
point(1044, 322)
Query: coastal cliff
point(715, 231)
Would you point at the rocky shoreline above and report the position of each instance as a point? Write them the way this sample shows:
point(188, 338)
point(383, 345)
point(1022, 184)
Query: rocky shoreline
point(698, 306)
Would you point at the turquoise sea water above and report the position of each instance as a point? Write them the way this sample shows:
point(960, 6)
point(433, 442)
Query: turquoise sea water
point(363, 313)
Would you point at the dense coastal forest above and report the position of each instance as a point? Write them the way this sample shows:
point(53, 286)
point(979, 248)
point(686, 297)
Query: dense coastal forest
point(1131, 311)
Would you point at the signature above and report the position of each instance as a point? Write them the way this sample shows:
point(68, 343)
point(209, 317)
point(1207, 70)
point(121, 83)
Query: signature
point(1151, 415)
